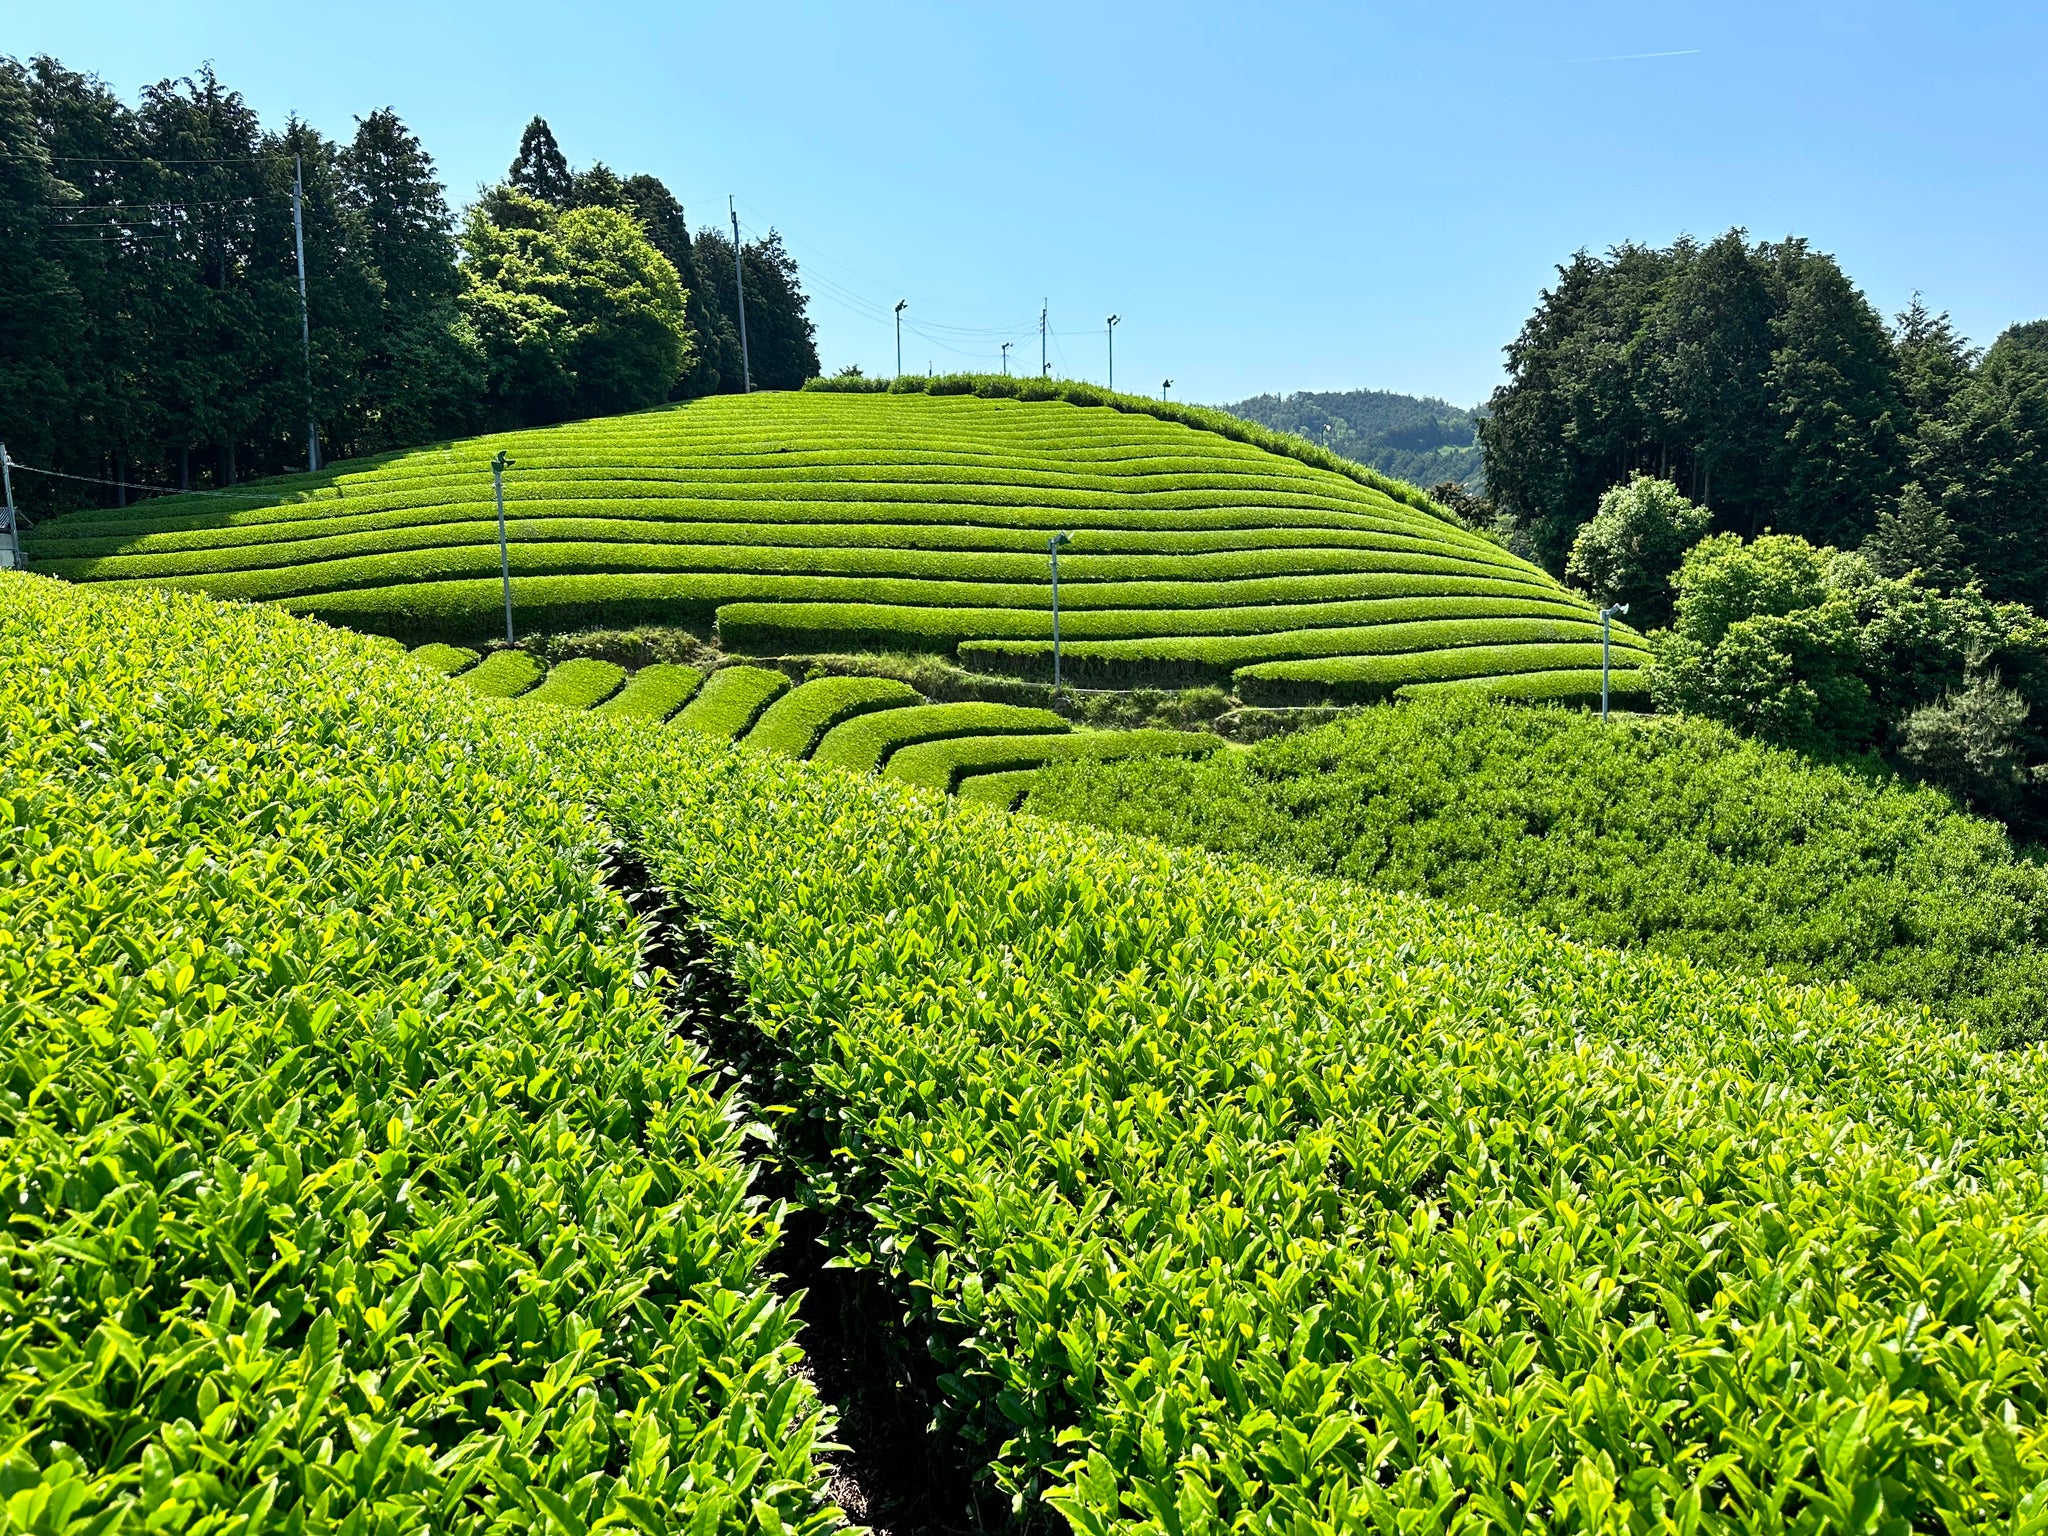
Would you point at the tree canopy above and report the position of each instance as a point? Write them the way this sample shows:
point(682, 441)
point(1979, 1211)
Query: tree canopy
point(151, 334)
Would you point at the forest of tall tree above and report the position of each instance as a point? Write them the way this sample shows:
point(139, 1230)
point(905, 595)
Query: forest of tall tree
point(150, 320)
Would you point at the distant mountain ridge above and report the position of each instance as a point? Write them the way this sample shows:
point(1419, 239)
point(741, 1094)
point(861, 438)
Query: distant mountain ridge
point(1416, 438)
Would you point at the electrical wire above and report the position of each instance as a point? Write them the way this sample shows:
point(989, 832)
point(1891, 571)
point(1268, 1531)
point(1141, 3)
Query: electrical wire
point(128, 485)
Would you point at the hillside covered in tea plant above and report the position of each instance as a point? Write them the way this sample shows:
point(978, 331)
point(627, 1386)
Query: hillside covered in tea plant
point(825, 521)
point(396, 1078)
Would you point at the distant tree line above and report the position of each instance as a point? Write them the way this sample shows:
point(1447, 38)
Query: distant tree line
point(1760, 382)
point(1426, 442)
point(149, 307)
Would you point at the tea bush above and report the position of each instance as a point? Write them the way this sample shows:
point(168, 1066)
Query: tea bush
point(1670, 835)
point(794, 723)
point(865, 743)
point(445, 659)
point(943, 765)
point(1231, 1199)
point(355, 1176)
point(730, 701)
point(580, 683)
point(654, 692)
point(505, 674)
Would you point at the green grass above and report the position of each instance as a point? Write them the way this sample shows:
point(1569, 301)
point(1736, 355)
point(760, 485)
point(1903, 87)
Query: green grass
point(1366, 679)
point(794, 723)
point(944, 765)
point(581, 683)
point(866, 743)
point(505, 674)
point(445, 659)
point(730, 701)
point(353, 1176)
point(814, 522)
point(654, 692)
point(1005, 791)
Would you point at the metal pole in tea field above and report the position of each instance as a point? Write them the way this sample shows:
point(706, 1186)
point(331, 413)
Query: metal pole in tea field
point(1044, 367)
point(498, 467)
point(899, 336)
point(739, 284)
point(1052, 548)
point(1112, 349)
point(1611, 608)
point(10, 524)
point(305, 316)
point(1164, 386)
point(1006, 357)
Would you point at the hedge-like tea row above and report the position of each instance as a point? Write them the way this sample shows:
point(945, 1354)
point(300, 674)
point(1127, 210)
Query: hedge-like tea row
point(654, 692)
point(730, 701)
point(794, 723)
point(1240, 1201)
point(352, 1180)
point(945, 765)
point(505, 674)
point(562, 603)
point(864, 744)
point(1367, 679)
point(1628, 687)
point(1004, 791)
point(1364, 653)
point(580, 683)
point(930, 512)
point(846, 626)
point(445, 659)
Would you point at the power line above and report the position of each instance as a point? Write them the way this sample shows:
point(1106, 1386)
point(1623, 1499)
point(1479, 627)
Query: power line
point(133, 486)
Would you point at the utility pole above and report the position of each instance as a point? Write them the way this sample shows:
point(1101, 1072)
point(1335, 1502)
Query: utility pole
point(1052, 548)
point(1112, 350)
point(305, 314)
point(1611, 608)
point(1006, 357)
point(498, 467)
point(1164, 386)
point(10, 537)
point(899, 336)
point(1044, 367)
point(739, 284)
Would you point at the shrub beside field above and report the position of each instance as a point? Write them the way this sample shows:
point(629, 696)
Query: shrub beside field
point(1672, 835)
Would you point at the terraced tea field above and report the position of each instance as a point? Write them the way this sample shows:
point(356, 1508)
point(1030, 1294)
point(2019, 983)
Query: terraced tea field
point(862, 724)
point(813, 522)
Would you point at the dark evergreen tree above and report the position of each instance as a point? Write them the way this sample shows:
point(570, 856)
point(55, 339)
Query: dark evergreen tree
point(1753, 377)
point(1915, 539)
point(1986, 463)
point(423, 376)
point(541, 169)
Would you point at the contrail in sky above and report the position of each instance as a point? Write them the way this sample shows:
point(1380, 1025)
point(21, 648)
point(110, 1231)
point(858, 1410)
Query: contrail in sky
point(1619, 58)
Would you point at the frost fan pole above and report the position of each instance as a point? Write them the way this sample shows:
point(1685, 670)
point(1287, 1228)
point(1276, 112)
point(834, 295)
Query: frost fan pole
point(305, 314)
point(739, 284)
point(498, 467)
point(1052, 548)
point(10, 522)
point(1611, 608)
point(1112, 351)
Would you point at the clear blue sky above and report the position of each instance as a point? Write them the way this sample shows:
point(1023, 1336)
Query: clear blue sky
point(1274, 197)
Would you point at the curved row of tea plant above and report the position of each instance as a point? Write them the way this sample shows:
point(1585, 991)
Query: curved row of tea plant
point(354, 1176)
point(1236, 1200)
point(815, 521)
point(1665, 834)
